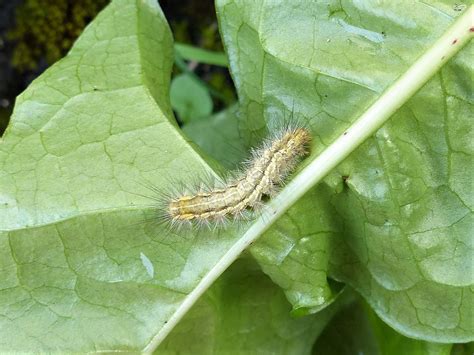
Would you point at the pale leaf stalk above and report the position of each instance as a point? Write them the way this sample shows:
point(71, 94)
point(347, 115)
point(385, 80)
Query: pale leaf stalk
point(391, 100)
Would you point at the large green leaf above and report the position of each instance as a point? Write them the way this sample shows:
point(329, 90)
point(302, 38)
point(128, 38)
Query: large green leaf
point(401, 205)
point(81, 269)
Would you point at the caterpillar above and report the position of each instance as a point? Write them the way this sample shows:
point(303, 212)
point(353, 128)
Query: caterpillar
point(261, 176)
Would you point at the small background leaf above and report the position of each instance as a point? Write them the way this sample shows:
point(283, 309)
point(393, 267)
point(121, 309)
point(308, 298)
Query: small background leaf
point(189, 98)
point(218, 136)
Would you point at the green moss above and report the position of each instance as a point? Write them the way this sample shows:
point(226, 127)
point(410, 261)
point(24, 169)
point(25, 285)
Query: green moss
point(47, 29)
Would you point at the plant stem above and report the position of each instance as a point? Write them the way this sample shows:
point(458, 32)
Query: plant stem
point(391, 100)
point(200, 55)
point(180, 63)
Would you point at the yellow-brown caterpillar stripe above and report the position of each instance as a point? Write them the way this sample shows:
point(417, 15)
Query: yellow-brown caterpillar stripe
point(267, 169)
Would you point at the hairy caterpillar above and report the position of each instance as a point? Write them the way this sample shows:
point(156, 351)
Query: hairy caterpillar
point(262, 174)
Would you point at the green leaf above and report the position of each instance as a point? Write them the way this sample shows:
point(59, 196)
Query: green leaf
point(189, 98)
point(401, 204)
point(200, 55)
point(218, 135)
point(244, 312)
point(364, 333)
point(292, 245)
point(81, 268)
